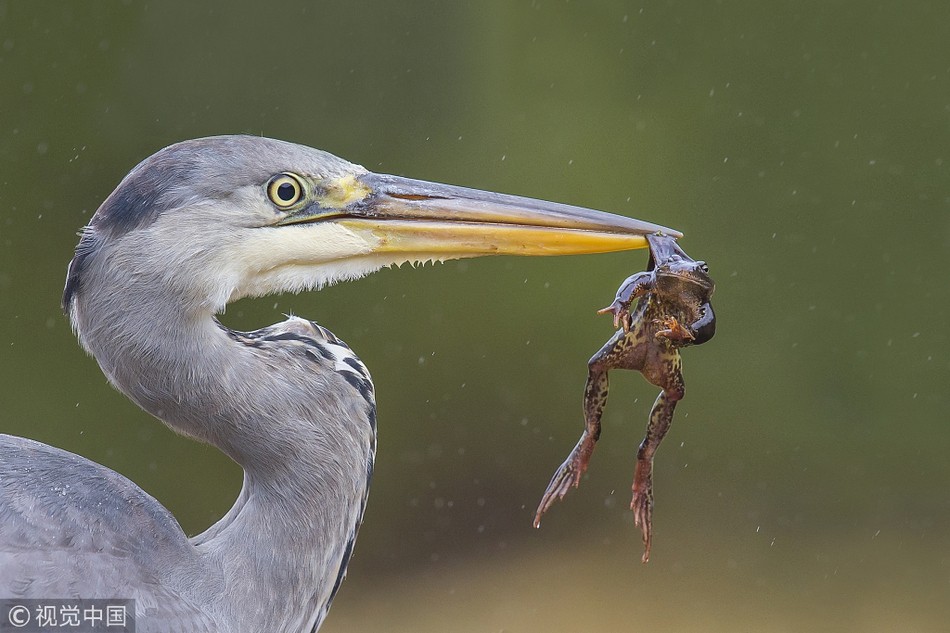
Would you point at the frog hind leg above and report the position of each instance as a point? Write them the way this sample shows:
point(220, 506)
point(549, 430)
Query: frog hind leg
point(568, 475)
point(661, 416)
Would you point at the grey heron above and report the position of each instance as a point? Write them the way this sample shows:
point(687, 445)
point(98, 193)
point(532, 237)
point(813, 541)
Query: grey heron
point(193, 227)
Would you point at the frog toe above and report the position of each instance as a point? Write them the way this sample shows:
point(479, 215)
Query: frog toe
point(642, 506)
point(564, 479)
point(620, 313)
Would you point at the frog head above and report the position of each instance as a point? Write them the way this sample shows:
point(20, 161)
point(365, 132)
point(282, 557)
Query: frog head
point(676, 272)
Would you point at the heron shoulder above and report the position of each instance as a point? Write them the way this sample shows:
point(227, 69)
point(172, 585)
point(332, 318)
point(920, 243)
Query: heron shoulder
point(70, 527)
point(76, 501)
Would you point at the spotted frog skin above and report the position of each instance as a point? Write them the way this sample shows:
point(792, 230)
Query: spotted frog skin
point(673, 310)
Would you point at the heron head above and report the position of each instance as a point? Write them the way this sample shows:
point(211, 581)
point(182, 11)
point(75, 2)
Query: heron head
point(215, 219)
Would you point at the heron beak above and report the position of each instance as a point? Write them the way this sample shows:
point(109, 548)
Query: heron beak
point(402, 215)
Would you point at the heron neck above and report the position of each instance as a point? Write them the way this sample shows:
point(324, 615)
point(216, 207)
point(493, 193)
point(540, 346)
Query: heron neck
point(306, 460)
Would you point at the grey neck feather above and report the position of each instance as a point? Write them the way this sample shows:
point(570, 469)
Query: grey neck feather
point(306, 450)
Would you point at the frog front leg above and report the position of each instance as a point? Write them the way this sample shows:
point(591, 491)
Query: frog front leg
point(633, 287)
point(696, 333)
point(568, 475)
point(705, 326)
point(661, 416)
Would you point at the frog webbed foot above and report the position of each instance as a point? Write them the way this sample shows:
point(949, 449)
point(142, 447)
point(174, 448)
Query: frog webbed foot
point(567, 476)
point(642, 506)
point(674, 330)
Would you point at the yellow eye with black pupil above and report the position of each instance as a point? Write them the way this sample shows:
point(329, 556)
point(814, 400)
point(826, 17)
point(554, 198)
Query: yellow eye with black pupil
point(285, 190)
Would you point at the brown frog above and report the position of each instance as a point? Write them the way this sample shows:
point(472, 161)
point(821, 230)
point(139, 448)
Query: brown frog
point(673, 310)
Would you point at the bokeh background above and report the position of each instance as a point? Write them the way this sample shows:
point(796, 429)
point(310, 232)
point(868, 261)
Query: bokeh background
point(802, 146)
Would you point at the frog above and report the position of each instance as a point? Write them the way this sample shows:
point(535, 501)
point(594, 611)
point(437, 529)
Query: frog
point(673, 310)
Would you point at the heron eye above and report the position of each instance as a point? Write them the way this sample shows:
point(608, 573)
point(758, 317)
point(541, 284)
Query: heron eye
point(285, 190)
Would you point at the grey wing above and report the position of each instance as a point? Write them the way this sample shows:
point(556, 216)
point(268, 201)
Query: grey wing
point(71, 528)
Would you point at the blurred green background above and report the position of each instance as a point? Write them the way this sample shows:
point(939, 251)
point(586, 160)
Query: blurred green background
point(804, 149)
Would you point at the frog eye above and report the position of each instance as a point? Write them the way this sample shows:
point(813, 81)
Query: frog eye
point(285, 190)
point(703, 267)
